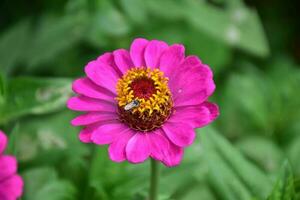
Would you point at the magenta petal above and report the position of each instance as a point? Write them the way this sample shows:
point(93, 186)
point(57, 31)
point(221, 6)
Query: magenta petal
point(153, 53)
point(11, 188)
point(116, 149)
point(180, 134)
point(192, 84)
point(8, 166)
point(138, 148)
point(85, 135)
point(174, 156)
point(171, 59)
point(92, 117)
point(3, 142)
point(109, 60)
point(102, 74)
point(86, 87)
point(159, 145)
point(137, 50)
point(123, 60)
point(108, 133)
point(82, 103)
point(198, 115)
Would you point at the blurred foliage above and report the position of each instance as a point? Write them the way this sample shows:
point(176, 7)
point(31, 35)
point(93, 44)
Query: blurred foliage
point(250, 153)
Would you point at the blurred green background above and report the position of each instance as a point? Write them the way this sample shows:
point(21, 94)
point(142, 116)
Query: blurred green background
point(251, 152)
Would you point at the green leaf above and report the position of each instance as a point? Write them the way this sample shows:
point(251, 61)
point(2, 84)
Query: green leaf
point(284, 188)
point(158, 8)
point(43, 183)
point(109, 180)
point(240, 27)
point(293, 152)
point(13, 45)
point(34, 96)
point(53, 36)
point(136, 10)
point(198, 191)
point(247, 94)
point(231, 174)
point(53, 142)
point(266, 153)
point(12, 142)
point(2, 90)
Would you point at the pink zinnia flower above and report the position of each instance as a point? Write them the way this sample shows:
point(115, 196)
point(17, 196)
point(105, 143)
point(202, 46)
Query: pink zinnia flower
point(145, 102)
point(11, 184)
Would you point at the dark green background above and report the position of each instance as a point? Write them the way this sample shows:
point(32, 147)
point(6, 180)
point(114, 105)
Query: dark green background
point(250, 152)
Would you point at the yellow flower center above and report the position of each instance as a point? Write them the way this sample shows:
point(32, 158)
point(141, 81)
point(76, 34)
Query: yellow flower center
point(144, 99)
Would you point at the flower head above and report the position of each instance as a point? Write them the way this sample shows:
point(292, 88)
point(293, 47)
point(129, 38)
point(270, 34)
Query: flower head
point(11, 184)
point(145, 102)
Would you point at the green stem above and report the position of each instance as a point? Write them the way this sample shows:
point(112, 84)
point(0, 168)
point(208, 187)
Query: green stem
point(154, 180)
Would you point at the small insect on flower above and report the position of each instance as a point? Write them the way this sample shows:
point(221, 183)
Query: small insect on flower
point(11, 184)
point(132, 104)
point(144, 102)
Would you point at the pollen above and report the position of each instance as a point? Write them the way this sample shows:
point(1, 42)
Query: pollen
point(149, 89)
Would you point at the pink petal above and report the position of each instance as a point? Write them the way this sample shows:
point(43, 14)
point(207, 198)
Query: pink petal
point(171, 59)
point(86, 87)
point(8, 166)
point(3, 142)
point(197, 116)
point(92, 117)
point(82, 103)
point(153, 53)
point(179, 133)
point(174, 156)
point(159, 145)
point(108, 133)
point(85, 135)
point(108, 59)
point(102, 74)
point(116, 149)
point(192, 84)
point(138, 148)
point(11, 188)
point(137, 50)
point(123, 60)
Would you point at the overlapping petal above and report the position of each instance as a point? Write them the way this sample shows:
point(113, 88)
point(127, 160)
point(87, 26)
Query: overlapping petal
point(171, 59)
point(108, 133)
point(137, 50)
point(192, 84)
point(86, 87)
point(117, 149)
point(138, 148)
point(102, 74)
point(92, 117)
point(173, 155)
point(179, 133)
point(82, 103)
point(153, 53)
point(8, 166)
point(123, 60)
point(11, 184)
point(159, 145)
point(11, 188)
point(197, 116)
